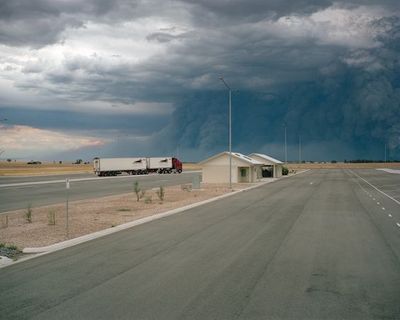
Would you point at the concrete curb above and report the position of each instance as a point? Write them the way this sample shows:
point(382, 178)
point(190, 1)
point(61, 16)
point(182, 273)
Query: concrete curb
point(102, 233)
point(40, 251)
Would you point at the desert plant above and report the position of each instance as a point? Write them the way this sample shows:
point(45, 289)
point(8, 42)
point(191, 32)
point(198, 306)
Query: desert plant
point(285, 171)
point(161, 193)
point(51, 218)
point(4, 221)
point(148, 199)
point(28, 214)
point(137, 190)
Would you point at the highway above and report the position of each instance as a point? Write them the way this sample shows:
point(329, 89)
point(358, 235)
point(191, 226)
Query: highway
point(18, 193)
point(324, 244)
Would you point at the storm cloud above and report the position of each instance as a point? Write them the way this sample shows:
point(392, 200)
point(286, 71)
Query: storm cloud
point(326, 69)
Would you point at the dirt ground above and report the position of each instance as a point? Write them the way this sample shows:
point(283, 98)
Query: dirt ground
point(50, 168)
point(87, 216)
point(23, 169)
point(342, 165)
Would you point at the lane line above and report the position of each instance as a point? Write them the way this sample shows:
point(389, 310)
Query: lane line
point(390, 216)
point(20, 184)
point(398, 224)
point(385, 194)
point(383, 208)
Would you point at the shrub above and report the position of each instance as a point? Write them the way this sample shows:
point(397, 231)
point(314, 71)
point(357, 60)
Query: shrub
point(4, 221)
point(28, 214)
point(137, 190)
point(285, 171)
point(51, 218)
point(148, 199)
point(161, 193)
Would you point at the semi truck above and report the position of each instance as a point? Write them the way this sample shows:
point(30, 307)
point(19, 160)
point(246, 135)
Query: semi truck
point(140, 165)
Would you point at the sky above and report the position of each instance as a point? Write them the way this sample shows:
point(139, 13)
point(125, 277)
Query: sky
point(116, 78)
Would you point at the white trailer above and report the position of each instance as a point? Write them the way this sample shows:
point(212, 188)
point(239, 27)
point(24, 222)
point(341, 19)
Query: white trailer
point(114, 166)
point(160, 164)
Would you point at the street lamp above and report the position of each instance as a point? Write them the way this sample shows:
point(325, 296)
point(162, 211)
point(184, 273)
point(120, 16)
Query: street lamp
point(230, 130)
point(299, 149)
point(285, 144)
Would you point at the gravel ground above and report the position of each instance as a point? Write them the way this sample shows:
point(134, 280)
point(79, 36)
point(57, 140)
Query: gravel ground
point(87, 216)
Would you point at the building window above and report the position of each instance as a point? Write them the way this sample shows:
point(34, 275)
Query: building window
point(243, 172)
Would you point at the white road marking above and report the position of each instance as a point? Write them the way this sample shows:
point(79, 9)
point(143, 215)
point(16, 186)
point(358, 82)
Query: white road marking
point(398, 224)
point(383, 208)
point(391, 198)
point(390, 216)
point(373, 199)
point(390, 170)
point(378, 203)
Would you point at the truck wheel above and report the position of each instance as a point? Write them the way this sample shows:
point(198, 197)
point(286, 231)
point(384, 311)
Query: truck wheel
point(179, 170)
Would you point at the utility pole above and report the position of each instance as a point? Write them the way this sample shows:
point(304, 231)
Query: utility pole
point(285, 144)
point(299, 149)
point(230, 131)
point(385, 153)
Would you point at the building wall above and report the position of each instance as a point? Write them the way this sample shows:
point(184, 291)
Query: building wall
point(219, 174)
point(278, 171)
point(217, 170)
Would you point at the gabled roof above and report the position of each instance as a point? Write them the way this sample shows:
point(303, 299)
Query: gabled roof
point(268, 158)
point(236, 155)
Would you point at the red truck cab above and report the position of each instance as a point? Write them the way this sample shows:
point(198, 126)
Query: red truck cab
point(176, 165)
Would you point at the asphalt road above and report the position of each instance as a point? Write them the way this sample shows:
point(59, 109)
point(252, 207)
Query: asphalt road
point(27, 179)
point(314, 246)
point(19, 197)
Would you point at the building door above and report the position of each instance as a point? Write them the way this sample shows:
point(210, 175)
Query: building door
point(268, 172)
point(244, 174)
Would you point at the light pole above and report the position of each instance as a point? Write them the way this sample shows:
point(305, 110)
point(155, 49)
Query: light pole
point(230, 130)
point(299, 149)
point(2, 120)
point(285, 144)
point(385, 153)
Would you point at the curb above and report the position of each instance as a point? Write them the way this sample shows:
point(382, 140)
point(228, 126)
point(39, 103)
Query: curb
point(102, 233)
point(39, 251)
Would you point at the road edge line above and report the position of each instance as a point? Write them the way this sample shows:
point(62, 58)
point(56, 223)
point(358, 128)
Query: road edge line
point(391, 198)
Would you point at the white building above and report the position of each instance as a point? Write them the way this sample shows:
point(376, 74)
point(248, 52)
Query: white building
point(271, 165)
point(244, 168)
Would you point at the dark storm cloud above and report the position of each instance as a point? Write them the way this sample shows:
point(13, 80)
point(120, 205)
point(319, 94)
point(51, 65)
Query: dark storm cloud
point(332, 79)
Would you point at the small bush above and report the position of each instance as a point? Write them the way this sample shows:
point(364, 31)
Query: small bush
point(10, 251)
point(137, 190)
point(51, 218)
point(4, 221)
point(148, 199)
point(28, 214)
point(285, 171)
point(161, 193)
point(124, 210)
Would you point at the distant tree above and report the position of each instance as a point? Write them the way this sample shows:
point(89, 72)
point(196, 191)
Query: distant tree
point(9, 160)
point(79, 161)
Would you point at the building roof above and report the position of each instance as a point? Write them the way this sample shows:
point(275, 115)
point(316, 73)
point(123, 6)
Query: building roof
point(236, 155)
point(268, 158)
